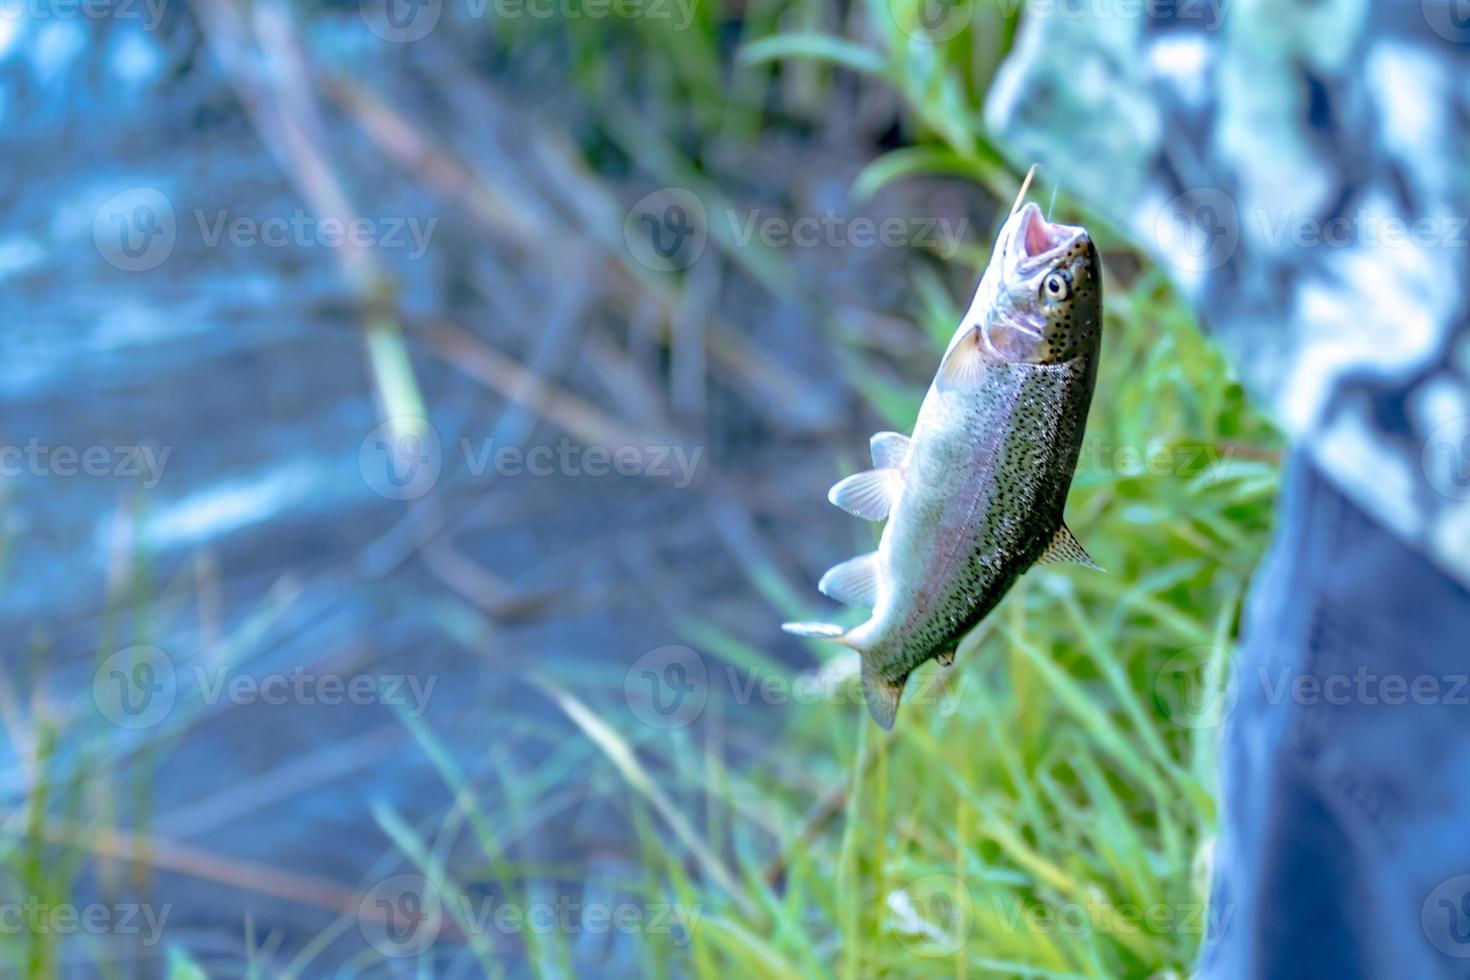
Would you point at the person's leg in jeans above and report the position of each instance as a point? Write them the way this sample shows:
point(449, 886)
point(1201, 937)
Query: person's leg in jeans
point(1345, 767)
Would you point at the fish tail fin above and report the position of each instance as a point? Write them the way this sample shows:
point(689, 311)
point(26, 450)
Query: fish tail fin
point(882, 694)
point(821, 631)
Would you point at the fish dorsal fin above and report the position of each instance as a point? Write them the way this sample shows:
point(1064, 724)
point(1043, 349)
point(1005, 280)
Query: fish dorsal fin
point(882, 695)
point(854, 582)
point(964, 363)
point(1065, 548)
point(890, 449)
point(869, 495)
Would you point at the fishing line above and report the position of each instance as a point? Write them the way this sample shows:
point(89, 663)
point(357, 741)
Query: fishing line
point(1021, 194)
point(1054, 188)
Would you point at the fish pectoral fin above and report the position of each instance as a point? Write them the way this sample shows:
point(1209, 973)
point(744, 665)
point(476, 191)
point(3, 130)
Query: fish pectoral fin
point(854, 582)
point(889, 449)
point(869, 495)
point(1065, 548)
point(963, 365)
point(882, 695)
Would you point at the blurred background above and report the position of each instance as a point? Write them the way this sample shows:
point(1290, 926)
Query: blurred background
point(417, 419)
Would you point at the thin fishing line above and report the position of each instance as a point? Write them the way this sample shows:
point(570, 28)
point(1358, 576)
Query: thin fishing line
point(1025, 184)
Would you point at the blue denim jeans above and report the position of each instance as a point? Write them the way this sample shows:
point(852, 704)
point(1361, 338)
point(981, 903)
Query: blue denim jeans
point(1344, 843)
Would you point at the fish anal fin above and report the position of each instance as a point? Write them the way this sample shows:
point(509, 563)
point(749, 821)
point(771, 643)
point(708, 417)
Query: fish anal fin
point(882, 695)
point(869, 495)
point(1065, 548)
point(854, 582)
point(889, 449)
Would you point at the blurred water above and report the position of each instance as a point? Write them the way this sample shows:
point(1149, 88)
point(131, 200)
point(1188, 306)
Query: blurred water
point(243, 370)
point(229, 521)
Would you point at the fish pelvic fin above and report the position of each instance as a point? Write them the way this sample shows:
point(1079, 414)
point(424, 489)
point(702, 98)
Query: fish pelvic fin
point(882, 695)
point(854, 582)
point(1065, 548)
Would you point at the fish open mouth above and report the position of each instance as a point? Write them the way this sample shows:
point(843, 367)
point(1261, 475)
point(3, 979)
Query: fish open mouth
point(1037, 240)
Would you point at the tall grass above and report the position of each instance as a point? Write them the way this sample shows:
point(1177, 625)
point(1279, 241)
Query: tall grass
point(1043, 808)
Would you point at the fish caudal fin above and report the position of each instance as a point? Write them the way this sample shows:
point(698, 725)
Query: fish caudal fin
point(882, 696)
point(1065, 548)
point(821, 631)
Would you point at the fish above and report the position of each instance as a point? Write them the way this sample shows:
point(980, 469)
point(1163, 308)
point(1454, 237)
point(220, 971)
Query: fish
point(974, 497)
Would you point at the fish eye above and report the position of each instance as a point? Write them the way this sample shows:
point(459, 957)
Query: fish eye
point(1055, 288)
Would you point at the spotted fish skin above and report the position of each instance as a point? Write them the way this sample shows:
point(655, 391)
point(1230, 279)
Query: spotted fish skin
point(975, 497)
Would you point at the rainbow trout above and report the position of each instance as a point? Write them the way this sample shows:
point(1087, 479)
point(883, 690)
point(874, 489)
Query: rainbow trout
point(974, 497)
